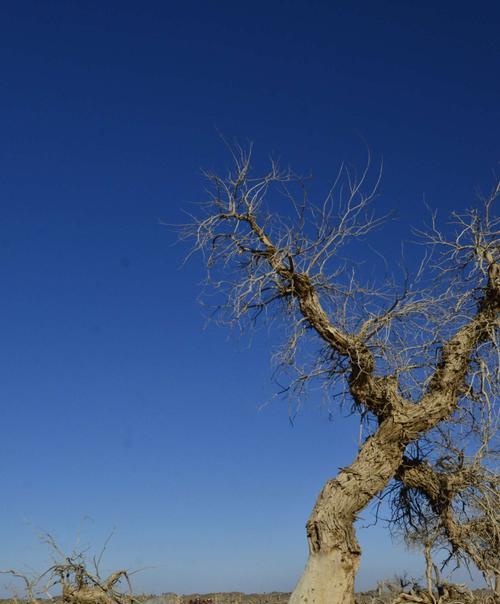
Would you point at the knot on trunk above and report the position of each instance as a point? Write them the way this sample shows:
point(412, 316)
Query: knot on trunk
point(336, 534)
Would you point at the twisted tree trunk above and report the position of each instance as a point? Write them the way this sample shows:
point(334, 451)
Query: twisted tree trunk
point(334, 551)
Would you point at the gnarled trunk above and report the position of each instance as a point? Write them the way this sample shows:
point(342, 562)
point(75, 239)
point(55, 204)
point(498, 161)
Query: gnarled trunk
point(334, 551)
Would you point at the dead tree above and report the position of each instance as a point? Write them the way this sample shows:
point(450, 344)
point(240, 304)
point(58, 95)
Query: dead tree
point(406, 356)
point(75, 578)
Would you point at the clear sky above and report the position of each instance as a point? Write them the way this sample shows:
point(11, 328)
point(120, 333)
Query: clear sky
point(116, 403)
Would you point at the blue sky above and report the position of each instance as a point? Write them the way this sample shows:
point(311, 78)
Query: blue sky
point(117, 403)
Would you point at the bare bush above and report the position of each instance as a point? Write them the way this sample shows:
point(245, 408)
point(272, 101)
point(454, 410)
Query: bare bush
point(77, 578)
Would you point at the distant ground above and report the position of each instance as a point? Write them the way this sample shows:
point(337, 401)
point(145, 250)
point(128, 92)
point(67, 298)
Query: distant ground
point(274, 597)
point(479, 596)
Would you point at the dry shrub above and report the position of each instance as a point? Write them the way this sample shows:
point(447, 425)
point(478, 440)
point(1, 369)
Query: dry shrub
point(77, 577)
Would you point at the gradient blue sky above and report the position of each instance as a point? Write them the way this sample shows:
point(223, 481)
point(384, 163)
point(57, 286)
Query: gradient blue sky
point(116, 403)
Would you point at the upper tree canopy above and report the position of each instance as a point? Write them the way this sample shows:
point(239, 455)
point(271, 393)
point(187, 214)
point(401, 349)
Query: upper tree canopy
point(274, 253)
